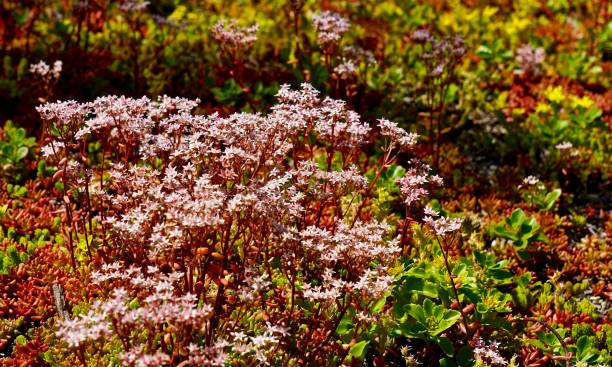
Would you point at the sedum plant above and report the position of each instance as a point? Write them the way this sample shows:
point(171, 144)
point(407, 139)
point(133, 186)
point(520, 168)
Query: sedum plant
point(429, 322)
point(263, 222)
point(520, 230)
point(15, 147)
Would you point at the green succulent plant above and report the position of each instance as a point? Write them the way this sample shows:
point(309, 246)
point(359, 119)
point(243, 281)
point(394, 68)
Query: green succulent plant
point(519, 229)
point(428, 321)
point(14, 148)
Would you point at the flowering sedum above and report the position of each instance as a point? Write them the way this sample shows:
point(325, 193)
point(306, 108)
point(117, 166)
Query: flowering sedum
point(226, 232)
point(231, 35)
point(330, 27)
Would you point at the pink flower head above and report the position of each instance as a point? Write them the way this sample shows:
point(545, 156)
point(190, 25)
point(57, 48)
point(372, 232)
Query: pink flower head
point(231, 35)
point(397, 135)
point(330, 27)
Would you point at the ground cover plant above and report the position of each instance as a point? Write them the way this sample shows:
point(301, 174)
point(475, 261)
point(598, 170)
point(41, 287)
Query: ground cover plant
point(305, 183)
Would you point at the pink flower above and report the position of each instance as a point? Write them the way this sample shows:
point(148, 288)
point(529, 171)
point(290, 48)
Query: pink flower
point(68, 116)
point(137, 358)
point(330, 27)
point(244, 188)
point(530, 59)
point(564, 146)
point(531, 180)
point(228, 33)
point(76, 331)
point(397, 135)
point(430, 212)
point(346, 70)
point(43, 70)
point(443, 225)
point(488, 353)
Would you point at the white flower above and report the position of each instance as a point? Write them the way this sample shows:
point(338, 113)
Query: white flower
point(563, 146)
point(346, 69)
point(396, 134)
point(531, 180)
point(443, 225)
point(430, 212)
point(47, 73)
point(330, 27)
point(229, 33)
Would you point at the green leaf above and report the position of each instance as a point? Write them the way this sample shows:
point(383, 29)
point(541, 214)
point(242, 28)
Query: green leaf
point(481, 308)
point(582, 344)
point(500, 230)
point(450, 318)
point(585, 350)
point(21, 153)
point(482, 258)
point(13, 255)
point(550, 199)
point(430, 289)
point(484, 52)
point(523, 280)
point(528, 226)
point(230, 93)
point(428, 307)
point(538, 344)
point(501, 275)
point(21, 340)
point(417, 330)
point(7, 150)
point(447, 362)
point(395, 171)
point(358, 349)
point(523, 254)
point(416, 311)
point(134, 304)
point(464, 356)
point(541, 237)
point(446, 345)
point(379, 305)
point(345, 326)
point(516, 218)
point(19, 134)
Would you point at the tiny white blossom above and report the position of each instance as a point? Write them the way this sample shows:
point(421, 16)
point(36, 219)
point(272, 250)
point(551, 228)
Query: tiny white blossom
point(531, 181)
point(564, 145)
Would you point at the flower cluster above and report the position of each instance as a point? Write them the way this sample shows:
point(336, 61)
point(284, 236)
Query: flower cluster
point(442, 54)
point(137, 358)
point(439, 224)
point(530, 59)
point(330, 27)
point(43, 70)
point(488, 353)
point(564, 145)
point(397, 135)
point(134, 5)
point(351, 60)
point(211, 200)
point(346, 69)
point(67, 116)
point(413, 184)
point(231, 35)
point(139, 300)
point(47, 76)
point(259, 346)
point(531, 180)
point(359, 55)
point(422, 36)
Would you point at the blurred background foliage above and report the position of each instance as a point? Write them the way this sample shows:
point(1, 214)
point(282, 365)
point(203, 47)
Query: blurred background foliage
point(496, 114)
